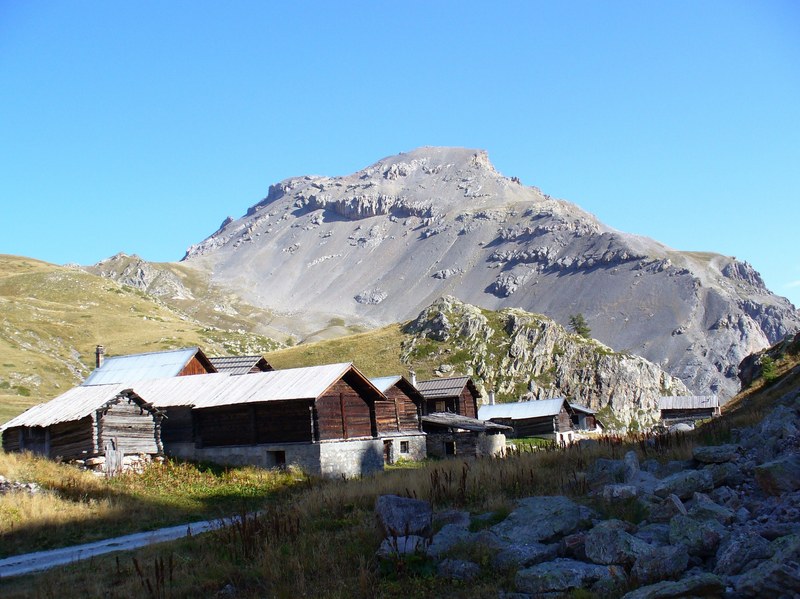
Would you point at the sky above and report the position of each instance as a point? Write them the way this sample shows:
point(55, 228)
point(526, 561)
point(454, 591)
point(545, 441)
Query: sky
point(138, 127)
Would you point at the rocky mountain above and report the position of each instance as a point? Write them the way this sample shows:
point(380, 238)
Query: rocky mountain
point(520, 354)
point(378, 246)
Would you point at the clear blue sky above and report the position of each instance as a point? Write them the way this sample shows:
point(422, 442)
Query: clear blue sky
point(139, 126)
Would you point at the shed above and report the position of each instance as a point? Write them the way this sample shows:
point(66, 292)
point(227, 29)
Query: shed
point(451, 434)
point(457, 394)
point(688, 408)
point(240, 364)
point(148, 366)
point(398, 419)
point(546, 418)
point(84, 422)
point(585, 419)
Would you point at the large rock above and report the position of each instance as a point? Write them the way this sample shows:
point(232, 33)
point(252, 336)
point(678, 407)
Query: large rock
point(540, 519)
point(447, 538)
point(610, 543)
point(562, 576)
point(703, 508)
point(403, 516)
point(780, 475)
point(654, 564)
point(741, 550)
point(716, 454)
point(701, 538)
point(458, 569)
point(699, 585)
point(604, 471)
point(778, 576)
point(685, 484)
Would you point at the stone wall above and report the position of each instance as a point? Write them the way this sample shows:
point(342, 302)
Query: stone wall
point(416, 448)
point(442, 445)
point(350, 458)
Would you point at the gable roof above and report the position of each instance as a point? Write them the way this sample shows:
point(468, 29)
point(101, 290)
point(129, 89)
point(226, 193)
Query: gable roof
point(384, 383)
point(688, 402)
point(142, 367)
point(240, 364)
point(521, 410)
point(448, 419)
point(445, 387)
point(580, 408)
point(78, 402)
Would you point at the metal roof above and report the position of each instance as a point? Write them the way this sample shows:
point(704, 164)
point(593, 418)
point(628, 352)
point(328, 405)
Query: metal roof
point(580, 408)
point(688, 402)
point(520, 410)
point(384, 383)
point(141, 367)
point(75, 404)
point(237, 364)
point(445, 387)
point(464, 422)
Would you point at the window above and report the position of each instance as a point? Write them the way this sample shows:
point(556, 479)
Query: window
point(449, 448)
point(278, 459)
point(403, 446)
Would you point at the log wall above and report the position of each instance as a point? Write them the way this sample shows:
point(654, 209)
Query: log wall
point(193, 367)
point(73, 439)
point(133, 429)
point(342, 413)
point(399, 413)
point(178, 426)
point(255, 424)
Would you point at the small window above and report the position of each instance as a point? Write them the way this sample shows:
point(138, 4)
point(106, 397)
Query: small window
point(449, 448)
point(403, 446)
point(278, 459)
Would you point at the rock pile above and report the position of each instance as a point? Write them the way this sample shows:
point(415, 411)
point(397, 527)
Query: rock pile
point(726, 523)
point(13, 486)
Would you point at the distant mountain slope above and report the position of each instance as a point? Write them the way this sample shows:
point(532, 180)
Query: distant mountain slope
point(53, 317)
point(378, 246)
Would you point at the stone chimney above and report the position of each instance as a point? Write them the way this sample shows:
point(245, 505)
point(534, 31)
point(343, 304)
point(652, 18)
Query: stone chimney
point(413, 377)
point(99, 353)
point(491, 397)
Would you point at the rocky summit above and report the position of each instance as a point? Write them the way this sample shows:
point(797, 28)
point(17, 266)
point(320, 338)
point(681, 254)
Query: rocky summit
point(379, 245)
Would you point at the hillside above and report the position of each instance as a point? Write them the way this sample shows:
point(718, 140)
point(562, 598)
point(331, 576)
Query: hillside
point(53, 317)
point(379, 245)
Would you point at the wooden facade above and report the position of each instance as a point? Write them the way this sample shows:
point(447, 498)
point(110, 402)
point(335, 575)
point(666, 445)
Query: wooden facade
point(461, 398)
point(199, 364)
point(400, 411)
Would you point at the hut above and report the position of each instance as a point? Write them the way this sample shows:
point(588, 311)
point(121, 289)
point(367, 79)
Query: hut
point(545, 418)
point(688, 408)
point(398, 418)
point(585, 419)
point(457, 395)
point(240, 364)
point(87, 422)
point(451, 434)
point(143, 367)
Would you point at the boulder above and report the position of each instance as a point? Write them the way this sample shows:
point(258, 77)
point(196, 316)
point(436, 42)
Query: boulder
point(660, 563)
point(716, 454)
point(698, 585)
point(778, 576)
point(458, 569)
point(701, 538)
point(728, 473)
point(619, 492)
point(403, 516)
point(703, 508)
point(517, 555)
point(780, 475)
point(448, 537)
point(540, 519)
point(610, 543)
point(605, 472)
point(664, 510)
point(562, 576)
point(631, 466)
point(654, 533)
point(685, 484)
point(392, 547)
point(738, 552)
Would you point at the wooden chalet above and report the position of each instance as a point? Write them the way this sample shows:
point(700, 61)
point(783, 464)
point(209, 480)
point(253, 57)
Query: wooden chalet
point(688, 408)
point(240, 364)
point(585, 419)
point(450, 434)
point(457, 395)
point(142, 367)
point(87, 422)
point(545, 418)
point(398, 418)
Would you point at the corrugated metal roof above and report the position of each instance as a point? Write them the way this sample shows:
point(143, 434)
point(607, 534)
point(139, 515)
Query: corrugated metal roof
point(445, 387)
point(463, 422)
point(520, 410)
point(384, 383)
point(688, 402)
point(141, 367)
point(235, 364)
point(75, 404)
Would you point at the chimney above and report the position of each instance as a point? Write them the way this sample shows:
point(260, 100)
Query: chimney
point(413, 376)
point(99, 352)
point(491, 397)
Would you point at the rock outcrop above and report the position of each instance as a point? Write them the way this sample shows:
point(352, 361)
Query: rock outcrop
point(377, 246)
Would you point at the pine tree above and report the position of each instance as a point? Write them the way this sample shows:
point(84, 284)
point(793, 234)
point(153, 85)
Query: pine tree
point(579, 325)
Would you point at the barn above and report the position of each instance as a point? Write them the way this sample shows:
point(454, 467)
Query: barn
point(398, 419)
point(87, 422)
point(688, 408)
point(545, 418)
point(153, 365)
point(457, 395)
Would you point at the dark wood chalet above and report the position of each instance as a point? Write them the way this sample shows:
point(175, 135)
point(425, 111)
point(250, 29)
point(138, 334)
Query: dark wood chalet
point(546, 418)
point(689, 408)
point(457, 395)
point(133, 368)
point(398, 417)
point(86, 422)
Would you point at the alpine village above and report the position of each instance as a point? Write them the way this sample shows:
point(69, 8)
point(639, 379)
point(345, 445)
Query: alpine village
point(459, 413)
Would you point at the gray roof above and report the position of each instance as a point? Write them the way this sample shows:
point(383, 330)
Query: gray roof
point(75, 404)
point(580, 408)
point(237, 364)
point(463, 422)
point(141, 367)
point(445, 387)
point(688, 402)
point(384, 383)
point(521, 410)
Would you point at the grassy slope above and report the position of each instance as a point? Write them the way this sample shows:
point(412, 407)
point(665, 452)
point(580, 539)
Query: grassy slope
point(52, 318)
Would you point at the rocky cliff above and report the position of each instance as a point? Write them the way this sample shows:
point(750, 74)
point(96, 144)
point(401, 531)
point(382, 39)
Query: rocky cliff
point(525, 355)
point(379, 245)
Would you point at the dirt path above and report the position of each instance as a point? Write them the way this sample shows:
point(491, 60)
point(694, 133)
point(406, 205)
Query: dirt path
point(44, 560)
